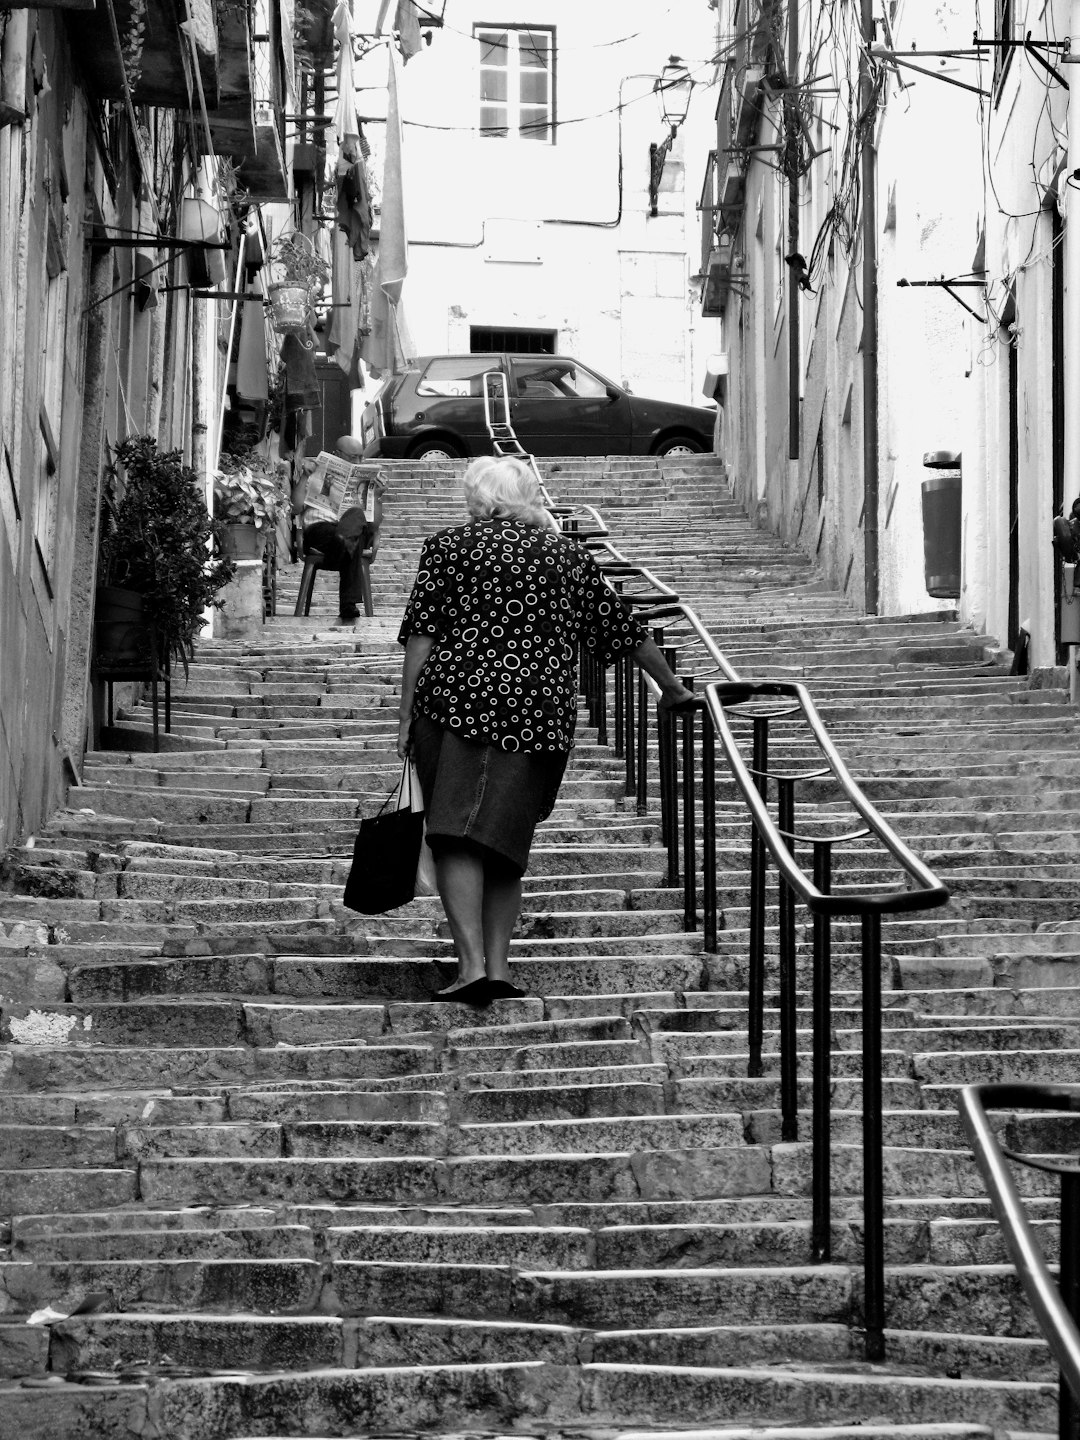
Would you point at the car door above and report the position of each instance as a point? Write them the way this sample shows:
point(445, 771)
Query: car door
point(559, 407)
point(449, 397)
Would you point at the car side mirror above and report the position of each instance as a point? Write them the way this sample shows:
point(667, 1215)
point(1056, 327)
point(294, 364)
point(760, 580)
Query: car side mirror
point(613, 393)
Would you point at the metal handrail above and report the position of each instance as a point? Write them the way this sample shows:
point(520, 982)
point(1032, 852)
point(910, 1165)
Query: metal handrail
point(1056, 1306)
point(919, 888)
point(929, 891)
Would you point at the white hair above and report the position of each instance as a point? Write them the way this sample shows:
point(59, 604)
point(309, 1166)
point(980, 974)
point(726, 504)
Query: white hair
point(504, 488)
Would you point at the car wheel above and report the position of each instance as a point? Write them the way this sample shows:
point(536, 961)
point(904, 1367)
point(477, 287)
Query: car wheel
point(435, 450)
point(680, 445)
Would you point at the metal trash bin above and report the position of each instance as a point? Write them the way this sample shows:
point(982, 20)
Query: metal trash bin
point(942, 524)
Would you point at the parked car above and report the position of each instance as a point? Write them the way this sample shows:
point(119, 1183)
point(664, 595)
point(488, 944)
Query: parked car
point(557, 407)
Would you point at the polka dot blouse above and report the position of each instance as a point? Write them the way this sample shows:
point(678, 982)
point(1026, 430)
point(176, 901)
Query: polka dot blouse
point(508, 604)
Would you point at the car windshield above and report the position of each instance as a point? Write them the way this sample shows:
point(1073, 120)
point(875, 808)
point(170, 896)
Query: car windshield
point(457, 375)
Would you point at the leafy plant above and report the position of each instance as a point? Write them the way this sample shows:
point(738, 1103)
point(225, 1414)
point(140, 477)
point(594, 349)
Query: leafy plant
point(295, 261)
point(158, 539)
point(244, 494)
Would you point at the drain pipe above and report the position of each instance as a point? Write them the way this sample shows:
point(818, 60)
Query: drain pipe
point(1072, 310)
point(867, 92)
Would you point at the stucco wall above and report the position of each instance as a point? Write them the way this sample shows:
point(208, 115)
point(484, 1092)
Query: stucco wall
point(43, 611)
point(513, 233)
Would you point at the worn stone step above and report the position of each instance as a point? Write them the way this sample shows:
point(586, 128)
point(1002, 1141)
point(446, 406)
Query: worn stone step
point(45, 1067)
point(288, 1285)
point(658, 1173)
point(265, 1242)
point(226, 1407)
point(203, 1341)
point(404, 976)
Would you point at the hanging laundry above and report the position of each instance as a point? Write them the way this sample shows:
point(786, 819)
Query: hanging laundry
point(342, 339)
point(251, 379)
point(354, 202)
point(301, 383)
point(407, 25)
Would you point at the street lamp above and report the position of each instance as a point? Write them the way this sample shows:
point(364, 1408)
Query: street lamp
point(672, 90)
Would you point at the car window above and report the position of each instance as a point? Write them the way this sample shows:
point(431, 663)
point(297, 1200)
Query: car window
point(550, 378)
point(457, 375)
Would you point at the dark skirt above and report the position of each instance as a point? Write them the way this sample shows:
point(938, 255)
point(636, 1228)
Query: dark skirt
point(481, 796)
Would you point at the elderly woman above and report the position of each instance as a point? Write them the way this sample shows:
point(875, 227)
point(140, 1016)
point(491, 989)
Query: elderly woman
point(488, 699)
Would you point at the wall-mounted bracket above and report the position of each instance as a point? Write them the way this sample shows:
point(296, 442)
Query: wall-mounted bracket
point(950, 287)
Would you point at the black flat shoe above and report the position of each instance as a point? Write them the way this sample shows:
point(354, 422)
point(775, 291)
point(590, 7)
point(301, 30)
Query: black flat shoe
point(504, 990)
point(476, 992)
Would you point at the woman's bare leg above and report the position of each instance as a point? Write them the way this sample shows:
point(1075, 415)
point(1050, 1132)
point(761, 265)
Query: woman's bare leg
point(460, 877)
point(502, 906)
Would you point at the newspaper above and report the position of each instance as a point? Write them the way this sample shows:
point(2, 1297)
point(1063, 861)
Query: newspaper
point(336, 485)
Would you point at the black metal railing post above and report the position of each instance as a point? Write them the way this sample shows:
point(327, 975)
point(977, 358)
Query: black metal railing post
point(789, 1052)
point(669, 779)
point(629, 749)
point(619, 667)
point(821, 1218)
point(709, 906)
point(1069, 1285)
point(642, 806)
point(601, 702)
point(873, 1163)
point(618, 722)
point(758, 872)
point(689, 770)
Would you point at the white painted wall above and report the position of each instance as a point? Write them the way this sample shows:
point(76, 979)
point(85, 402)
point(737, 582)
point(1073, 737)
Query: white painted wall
point(929, 215)
point(513, 233)
point(1025, 138)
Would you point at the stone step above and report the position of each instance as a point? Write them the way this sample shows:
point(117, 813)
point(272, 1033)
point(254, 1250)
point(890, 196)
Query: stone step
point(235, 1105)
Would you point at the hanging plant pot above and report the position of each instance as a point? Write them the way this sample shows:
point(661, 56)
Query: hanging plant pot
point(290, 308)
point(244, 542)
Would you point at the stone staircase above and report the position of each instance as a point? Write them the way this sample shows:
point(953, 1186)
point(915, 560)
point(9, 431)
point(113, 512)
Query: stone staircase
point(276, 1191)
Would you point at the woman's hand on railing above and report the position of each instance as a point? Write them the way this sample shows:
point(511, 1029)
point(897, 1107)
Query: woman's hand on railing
point(673, 693)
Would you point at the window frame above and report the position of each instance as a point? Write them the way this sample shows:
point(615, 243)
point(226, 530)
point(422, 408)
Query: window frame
point(513, 105)
point(463, 383)
point(519, 363)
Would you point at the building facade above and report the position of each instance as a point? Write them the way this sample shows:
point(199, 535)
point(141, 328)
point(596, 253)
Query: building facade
point(864, 339)
point(527, 134)
point(138, 162)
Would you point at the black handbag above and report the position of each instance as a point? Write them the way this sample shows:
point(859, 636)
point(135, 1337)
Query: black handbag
point(386, 854)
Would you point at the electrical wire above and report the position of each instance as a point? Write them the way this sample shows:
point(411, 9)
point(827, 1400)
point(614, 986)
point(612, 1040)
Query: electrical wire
point(564, 49)
point(558, 124)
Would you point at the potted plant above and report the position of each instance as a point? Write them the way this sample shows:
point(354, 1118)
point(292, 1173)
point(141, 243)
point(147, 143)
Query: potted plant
point(247, 501)
point(298, 276)
point(160, 559)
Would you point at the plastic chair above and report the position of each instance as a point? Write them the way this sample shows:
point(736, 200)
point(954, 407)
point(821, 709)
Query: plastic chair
point(314, 561)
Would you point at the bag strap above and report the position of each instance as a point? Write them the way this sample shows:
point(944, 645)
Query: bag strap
point(406, 774)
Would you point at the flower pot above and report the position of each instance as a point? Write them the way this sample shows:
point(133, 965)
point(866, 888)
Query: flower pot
point(290, 308)
point(122, 636)
point(244, 542)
